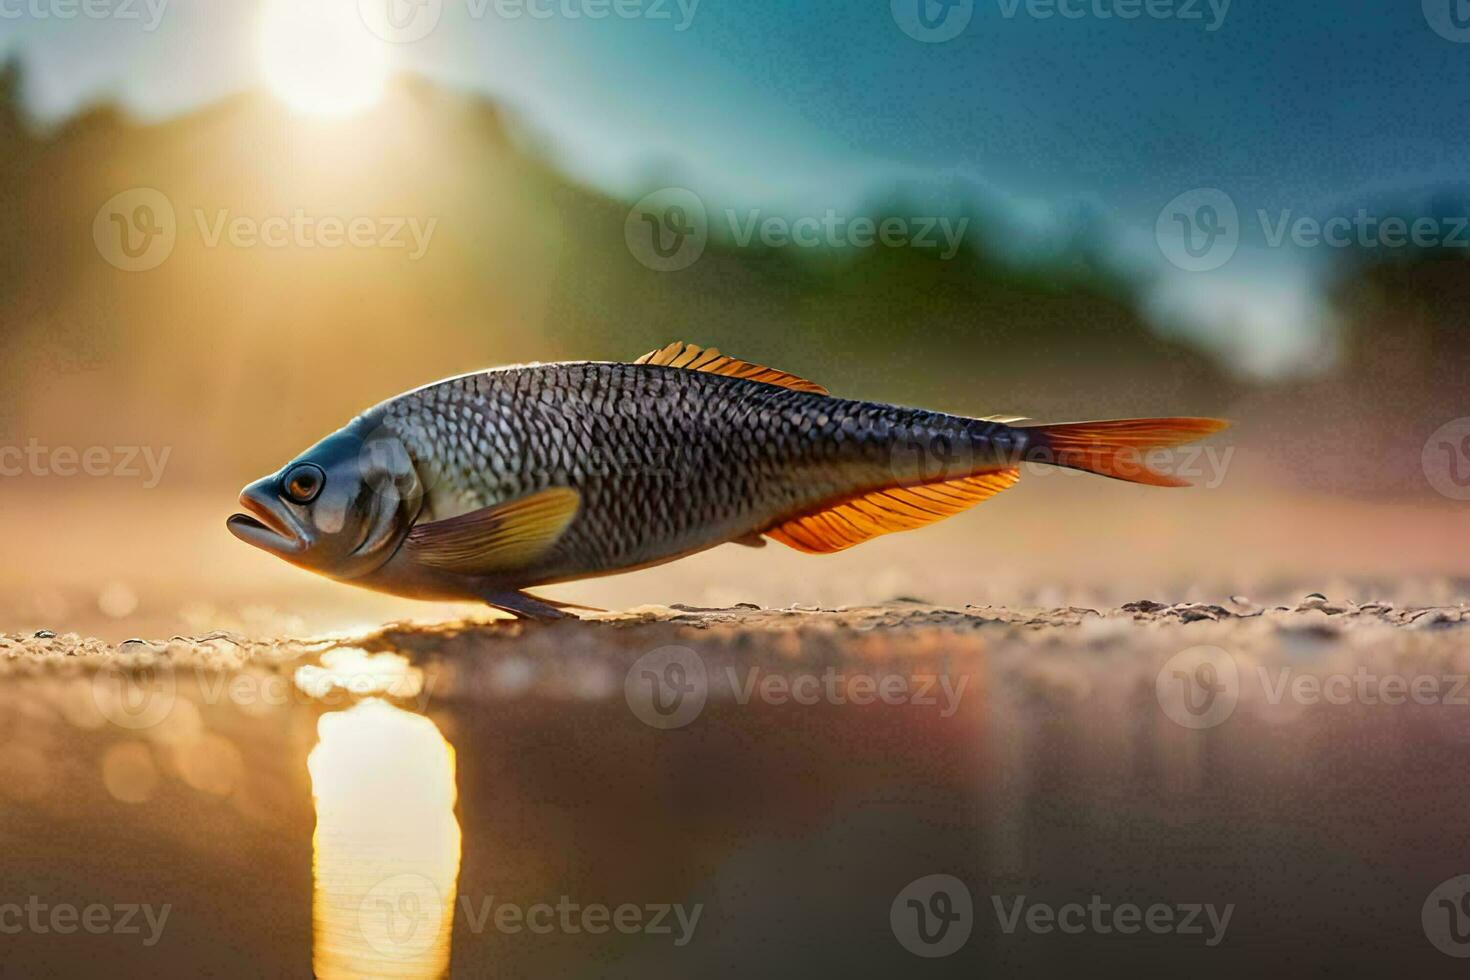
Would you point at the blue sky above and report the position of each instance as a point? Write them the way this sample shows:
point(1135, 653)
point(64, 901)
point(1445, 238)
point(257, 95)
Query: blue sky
point(1046, 108)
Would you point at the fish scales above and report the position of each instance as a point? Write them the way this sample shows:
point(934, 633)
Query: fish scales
point(687, 460)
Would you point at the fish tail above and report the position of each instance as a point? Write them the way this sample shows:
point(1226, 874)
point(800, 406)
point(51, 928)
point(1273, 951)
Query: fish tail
point(1116, 448)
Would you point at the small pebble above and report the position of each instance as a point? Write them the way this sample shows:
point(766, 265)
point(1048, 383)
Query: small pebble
point(1197, 613)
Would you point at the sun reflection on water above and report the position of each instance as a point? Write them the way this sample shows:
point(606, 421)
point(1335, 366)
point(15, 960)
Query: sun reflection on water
point(387, 845)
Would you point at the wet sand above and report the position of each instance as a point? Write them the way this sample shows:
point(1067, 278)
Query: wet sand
point(403, 800)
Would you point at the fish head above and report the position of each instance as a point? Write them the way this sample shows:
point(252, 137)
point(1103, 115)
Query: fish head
point(341, 509)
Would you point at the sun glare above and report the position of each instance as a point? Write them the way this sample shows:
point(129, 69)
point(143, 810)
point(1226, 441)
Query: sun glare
point(319, 56)
point(387, 844)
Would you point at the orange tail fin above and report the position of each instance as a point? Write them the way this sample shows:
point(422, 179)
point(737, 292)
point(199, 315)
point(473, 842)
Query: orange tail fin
point(1118, 448)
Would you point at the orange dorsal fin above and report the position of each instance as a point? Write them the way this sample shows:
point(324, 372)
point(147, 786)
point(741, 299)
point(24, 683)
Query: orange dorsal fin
point(862, 518)
point(682, 355)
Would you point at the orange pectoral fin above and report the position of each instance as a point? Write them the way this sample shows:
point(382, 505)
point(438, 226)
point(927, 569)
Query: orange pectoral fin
point(498, 538)
point(858, 519)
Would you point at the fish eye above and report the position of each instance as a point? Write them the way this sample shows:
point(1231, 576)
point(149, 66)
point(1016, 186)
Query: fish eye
point(303, 482)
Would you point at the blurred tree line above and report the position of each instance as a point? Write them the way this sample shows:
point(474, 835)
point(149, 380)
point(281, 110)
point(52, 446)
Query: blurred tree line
point(237, 356)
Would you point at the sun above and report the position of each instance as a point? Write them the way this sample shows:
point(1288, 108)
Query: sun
point(319, 56)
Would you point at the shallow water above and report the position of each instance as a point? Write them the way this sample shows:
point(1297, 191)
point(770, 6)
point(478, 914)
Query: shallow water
point(737, 792)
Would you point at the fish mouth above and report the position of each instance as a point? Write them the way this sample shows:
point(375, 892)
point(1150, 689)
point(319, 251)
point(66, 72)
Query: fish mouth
point(267, 526)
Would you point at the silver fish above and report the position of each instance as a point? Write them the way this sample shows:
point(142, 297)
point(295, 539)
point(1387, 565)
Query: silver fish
point(481, 486)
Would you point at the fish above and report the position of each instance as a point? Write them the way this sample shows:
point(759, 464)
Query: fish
point(482, 486)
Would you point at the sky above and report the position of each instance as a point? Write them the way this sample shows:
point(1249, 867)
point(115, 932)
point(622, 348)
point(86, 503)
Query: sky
point(1138, 122)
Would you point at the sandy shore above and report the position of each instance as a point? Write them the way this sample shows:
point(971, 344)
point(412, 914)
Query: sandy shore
point(790, 772)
